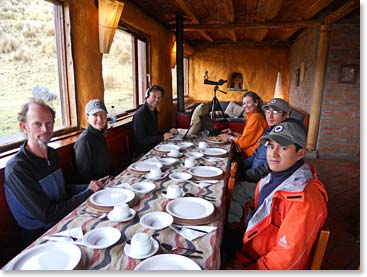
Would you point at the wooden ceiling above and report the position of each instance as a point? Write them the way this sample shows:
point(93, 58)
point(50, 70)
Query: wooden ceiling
point(248, 21)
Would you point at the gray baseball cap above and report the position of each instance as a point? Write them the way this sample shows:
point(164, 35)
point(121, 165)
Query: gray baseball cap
point(287, 133)
point(95, 106)
point(277, 104)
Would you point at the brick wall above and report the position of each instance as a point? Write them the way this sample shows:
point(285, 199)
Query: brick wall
point(339, 134)
point(339, 130)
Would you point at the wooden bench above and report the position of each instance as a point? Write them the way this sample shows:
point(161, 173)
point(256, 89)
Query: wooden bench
point(119, 141)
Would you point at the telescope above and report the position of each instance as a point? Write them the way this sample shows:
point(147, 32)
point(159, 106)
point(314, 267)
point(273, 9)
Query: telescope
point(219, 83)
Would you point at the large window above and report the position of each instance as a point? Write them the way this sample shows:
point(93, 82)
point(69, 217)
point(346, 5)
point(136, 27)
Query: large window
point(125, 71)
point(30, 62)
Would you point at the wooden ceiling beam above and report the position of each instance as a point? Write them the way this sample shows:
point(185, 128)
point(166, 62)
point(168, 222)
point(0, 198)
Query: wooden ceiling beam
point(315, 8)
point(258, 25)
point(343, 11)
point(230, 17)
point(269, 9)
point(229, 11)
point(187, 10)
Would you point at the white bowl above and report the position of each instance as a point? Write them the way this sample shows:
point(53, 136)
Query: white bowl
point(156, 220)
point(180, 176)
point(102, 237)
point(143, 187)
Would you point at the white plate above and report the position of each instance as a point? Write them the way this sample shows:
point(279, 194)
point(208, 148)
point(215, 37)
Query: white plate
point(154, 250)
point(168, 161)
point(194, 155)
point(145, 166)
point(185, 144)
point(111, 217)
point(214, 151)
point(166, 147)
point(102, 237)
point(156, 220)
point(190, 208)
point(168, 262)
point(180, 176)
point(205, 171)
point(175, 156)
point(143, 187)
point(111, 197)
point(47, 256)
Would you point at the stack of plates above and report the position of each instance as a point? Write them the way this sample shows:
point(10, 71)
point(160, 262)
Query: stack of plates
point(144, 167)
point(107, 198)
point(165, 148)
point(190, 210)
point(168, 262)
point(215, 152)
point(206, 172)
point(47, 256)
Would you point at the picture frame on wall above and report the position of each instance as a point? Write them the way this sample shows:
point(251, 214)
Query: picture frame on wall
point(348, 73)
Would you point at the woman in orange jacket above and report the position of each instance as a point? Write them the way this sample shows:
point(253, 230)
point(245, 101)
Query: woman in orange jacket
point(254, 127)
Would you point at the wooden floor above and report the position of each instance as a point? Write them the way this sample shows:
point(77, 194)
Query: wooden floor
point(342, 181)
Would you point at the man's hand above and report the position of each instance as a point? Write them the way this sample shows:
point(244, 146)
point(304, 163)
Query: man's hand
point(173, 131)
point(167, 136)
point(226, 131)
point(96, 185)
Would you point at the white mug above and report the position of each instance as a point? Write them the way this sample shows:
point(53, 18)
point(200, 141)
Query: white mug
point(174, 191)
point(189, 162)
point(202, 144)
point(155, 173)
point(141, 244)
point(121, 210)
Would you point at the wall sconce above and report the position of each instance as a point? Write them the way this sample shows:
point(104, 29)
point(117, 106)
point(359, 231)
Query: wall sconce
point(109, 13)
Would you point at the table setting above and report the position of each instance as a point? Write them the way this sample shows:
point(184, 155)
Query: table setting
point(177, 206)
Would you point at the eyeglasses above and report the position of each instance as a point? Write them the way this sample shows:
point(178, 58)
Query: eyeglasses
point(273, 111)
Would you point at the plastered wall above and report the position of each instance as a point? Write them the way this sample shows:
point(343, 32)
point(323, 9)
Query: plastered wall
point(259, 67)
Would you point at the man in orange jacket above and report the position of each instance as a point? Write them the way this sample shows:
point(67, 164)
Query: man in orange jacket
point(290, 206)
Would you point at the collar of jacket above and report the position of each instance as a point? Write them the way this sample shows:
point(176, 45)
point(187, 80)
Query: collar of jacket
point(291, 189)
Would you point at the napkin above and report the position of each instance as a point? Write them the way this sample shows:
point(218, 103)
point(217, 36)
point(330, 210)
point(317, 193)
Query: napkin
point(74, 232)
point(192, 234)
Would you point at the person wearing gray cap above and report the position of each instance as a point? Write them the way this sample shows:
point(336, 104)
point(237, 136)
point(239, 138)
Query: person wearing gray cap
point(253, 168)
point(290, 206)
point(91, 152)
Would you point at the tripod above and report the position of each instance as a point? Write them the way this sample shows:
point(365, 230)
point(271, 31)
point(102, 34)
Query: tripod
point(215, 104)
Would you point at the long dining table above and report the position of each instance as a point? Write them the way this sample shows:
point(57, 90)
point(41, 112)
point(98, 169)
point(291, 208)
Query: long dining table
point(114, 257)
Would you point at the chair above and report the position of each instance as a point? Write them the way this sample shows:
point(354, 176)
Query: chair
point(230, 186)
point(319, 248)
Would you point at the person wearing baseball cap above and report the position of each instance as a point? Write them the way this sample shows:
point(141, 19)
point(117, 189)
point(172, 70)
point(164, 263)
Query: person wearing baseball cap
point(253, 168)
point(290, 206)
point(91, 152)
point(145, 123)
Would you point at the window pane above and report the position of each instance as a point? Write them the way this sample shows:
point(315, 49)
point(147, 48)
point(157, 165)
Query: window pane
point(186, 81)
point(118, 73)
point(28, 60)
point(142, 70)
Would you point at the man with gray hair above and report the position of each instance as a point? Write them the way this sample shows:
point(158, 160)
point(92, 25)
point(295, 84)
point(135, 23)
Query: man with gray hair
point(34, 185)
